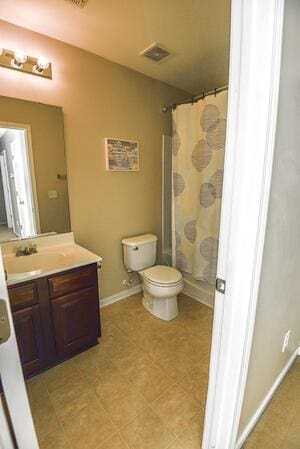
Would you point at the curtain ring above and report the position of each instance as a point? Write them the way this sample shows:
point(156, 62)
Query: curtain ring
point(215, 92)
point(203, 96)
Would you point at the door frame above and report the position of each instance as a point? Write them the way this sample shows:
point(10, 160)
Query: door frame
point(28, 140)
point(255, 60)
point(7, 197)
point(14, 389)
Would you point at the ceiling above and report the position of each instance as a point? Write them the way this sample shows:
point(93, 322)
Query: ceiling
point(197, 31)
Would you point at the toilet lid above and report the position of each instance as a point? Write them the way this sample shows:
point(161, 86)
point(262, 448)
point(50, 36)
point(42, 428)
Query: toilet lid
point(161, 274)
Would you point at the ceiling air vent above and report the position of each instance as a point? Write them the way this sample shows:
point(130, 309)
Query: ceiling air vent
point(156, 52)
point(80, 3)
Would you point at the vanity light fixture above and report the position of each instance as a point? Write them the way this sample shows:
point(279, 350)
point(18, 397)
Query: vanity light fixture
point(18, 60)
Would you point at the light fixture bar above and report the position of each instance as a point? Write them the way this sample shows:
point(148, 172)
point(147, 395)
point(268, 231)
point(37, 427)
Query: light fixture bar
point(17, 60)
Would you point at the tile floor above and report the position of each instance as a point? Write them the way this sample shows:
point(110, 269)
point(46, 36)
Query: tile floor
point(279, 426)
point(143, 387)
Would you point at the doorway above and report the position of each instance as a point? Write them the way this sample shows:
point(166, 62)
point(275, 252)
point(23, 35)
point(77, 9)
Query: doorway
point(17, 203)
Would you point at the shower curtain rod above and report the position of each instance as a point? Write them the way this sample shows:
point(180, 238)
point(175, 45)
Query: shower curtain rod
point(195, 98)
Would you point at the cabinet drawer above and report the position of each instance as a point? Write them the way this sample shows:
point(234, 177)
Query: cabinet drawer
point(72, 281)
point(24, 295)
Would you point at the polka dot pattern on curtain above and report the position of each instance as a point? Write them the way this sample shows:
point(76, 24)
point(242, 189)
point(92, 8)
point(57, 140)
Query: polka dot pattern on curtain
point(199, 134)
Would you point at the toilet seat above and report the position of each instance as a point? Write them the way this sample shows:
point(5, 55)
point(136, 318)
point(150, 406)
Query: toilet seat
point(162, 276)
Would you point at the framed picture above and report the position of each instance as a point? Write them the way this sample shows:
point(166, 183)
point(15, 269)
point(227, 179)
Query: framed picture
point(121, 155)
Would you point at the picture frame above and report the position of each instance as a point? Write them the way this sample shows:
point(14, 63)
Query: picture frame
point(121, 155)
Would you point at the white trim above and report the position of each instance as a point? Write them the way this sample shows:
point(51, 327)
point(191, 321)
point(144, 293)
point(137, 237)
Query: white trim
point(121, 295)
point(6, 189)
point(197, 293)
point(33, 178)
point(188, 290)
point(28, 139)
point(250, 426)
point(13, 384)
point(255, 59)
point(6, 441)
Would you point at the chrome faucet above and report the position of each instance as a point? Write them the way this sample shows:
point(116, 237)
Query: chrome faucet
point(26, 250)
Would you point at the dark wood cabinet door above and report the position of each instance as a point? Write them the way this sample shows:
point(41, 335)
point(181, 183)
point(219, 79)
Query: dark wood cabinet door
point(76, 321)
point(30, 339)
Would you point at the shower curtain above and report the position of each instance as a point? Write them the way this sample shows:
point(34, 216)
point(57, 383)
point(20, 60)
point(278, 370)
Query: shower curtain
point(198, 143)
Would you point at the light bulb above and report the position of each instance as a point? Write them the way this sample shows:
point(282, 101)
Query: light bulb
point(20, 58)
point(42, 64)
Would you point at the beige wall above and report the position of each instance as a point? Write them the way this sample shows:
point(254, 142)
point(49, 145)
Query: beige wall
point(48, 149)
point(100, 99)
point(279, 297)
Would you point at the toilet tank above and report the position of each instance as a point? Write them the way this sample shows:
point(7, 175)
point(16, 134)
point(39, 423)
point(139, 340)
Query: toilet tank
point(139, 252)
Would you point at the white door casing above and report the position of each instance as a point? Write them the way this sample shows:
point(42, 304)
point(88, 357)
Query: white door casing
point(22, 183)
point(256, 38)
point(14, 387)
point(28, 161)
point(4, 175)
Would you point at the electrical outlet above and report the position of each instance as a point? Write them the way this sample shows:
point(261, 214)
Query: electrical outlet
point(286, 339)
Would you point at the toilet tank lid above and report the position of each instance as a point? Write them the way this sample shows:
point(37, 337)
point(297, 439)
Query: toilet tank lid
point(139, 240)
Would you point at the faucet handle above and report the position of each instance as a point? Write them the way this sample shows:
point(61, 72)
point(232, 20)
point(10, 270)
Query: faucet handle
point(32, 248)
point(19, 251)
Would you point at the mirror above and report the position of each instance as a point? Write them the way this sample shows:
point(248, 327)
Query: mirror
point(33, 174)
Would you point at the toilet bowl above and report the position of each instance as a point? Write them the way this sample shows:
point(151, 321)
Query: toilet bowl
point(161, 285)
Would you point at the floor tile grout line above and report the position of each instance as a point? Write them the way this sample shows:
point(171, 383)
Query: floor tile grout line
point(62, 424)
point(107, 439)
point(185, 428)
point(55, 413)
point(140, 413)
point(59, 420)
point(99, 403)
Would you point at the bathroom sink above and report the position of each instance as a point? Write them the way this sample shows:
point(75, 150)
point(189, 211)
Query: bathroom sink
point(33, 263)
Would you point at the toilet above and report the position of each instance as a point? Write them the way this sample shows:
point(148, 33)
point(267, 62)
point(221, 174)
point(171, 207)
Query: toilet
point(161, 284)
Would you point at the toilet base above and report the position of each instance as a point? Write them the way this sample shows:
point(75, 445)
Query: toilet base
point(164, 308)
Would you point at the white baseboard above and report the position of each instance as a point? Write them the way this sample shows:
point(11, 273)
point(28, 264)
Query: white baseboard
point(121, 295)
point(198, 293)
point(190, 290)
point(250, 426)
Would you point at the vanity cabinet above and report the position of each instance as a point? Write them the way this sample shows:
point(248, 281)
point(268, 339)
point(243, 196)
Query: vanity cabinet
point(55, 317)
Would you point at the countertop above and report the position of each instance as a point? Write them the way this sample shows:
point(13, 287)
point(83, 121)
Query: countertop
point(55, 254)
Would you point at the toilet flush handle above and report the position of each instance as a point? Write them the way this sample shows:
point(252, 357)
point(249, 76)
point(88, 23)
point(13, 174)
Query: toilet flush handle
point(136, 248)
